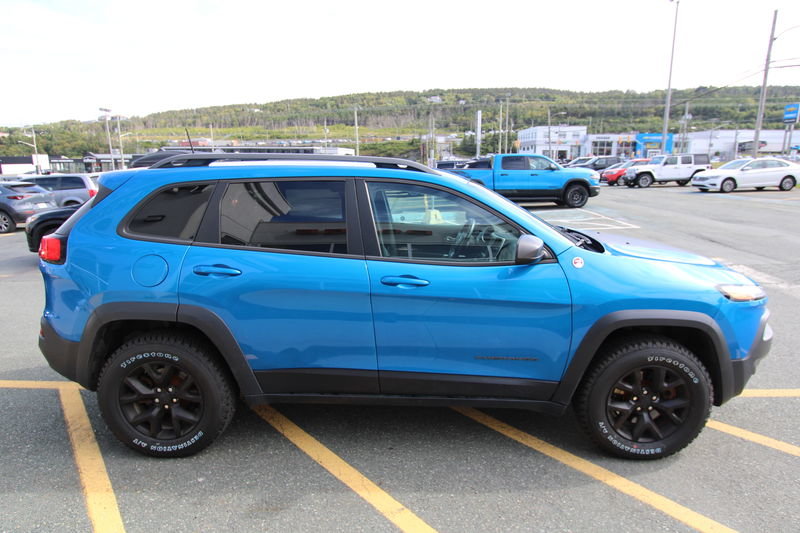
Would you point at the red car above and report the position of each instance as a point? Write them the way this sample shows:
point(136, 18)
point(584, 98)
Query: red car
point(615, 175)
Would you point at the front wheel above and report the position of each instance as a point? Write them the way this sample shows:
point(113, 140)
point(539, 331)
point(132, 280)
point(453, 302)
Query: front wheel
point(162, 394)
point(576, 195)
point(728, 185)
point(645, 180)
point(647, 399)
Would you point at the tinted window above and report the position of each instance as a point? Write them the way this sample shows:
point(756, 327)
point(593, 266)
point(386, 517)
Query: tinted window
point(483, 163)
point(515, 163)
point(686, 159)
point(422, 223)
point(72, 182)
point(290, 215)
point(173, 213)
point(671, 161)
point(47, 183)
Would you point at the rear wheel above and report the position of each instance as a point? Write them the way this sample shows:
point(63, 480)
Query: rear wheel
point(683, 183)
point(728, 185)
point(787, 183)
point(7, 224)
point(162, 394)
point(576, 195)
point(647, 399)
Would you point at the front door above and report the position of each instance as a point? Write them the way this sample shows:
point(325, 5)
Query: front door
point(453, 314)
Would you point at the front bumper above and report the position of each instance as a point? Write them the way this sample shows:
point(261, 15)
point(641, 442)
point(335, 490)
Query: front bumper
point(743, 369)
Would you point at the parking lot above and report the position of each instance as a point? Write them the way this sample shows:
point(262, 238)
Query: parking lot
point(354, 468)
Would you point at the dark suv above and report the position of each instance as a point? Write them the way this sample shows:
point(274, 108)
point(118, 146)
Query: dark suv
point(208, 277)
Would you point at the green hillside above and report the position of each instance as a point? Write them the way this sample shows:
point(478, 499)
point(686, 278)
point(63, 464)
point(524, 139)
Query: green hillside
point(389, 121)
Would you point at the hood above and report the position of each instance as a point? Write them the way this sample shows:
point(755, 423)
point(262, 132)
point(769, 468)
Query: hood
point(621, 245)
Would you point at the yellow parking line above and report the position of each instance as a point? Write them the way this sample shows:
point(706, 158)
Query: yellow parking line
point(21, 384)
point(784, 447)
point(771, 393)
point(393, 510)
point(665, 505)
point(101, 502)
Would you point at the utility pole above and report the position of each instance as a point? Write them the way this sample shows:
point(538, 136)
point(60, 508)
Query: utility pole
point(478, 134)
point(121, 151)
point(508, 118)
point(500, 120)
point(355, 112)
point(549, 138)
point(108, 136)
point(763, 100)
point(668, 103)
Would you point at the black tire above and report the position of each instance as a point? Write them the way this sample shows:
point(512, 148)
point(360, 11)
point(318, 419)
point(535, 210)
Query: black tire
point(728, 185)
point(631, 184)
point(7, 224)
point(576, 195)
point(787, 184)
point(759, 188)
point(647, 399)
point(644, 181)
point(163, 395)
point(683, 183)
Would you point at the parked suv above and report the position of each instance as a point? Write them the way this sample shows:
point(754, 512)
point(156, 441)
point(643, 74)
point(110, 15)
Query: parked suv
point(595, 163)
point(208, 277)
point(68, 189)
point(663, 168)
point(19, 200)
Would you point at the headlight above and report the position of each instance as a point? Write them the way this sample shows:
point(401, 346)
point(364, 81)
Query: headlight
point(31, 219)
point(742, 293)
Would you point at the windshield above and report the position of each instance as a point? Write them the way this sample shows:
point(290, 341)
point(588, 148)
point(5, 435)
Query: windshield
point(657, 160)
point(736, 163)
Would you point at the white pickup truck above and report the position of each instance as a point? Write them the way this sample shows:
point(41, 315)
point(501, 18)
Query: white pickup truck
point(663, 168)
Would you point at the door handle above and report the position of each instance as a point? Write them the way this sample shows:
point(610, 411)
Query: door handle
point(404, 281)
point(504, 174)
point(215, 270)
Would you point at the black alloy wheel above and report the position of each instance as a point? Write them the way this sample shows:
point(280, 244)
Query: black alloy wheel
point(647, 399)
point(165, 395)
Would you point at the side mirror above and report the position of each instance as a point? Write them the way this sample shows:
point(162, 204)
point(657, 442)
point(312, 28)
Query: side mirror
point(530, 250)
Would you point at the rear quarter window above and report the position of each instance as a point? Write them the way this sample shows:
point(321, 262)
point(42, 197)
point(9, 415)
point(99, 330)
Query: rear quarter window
point(173, 213)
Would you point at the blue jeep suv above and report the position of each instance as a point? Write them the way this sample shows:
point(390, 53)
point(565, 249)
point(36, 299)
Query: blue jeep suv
point(206, 278)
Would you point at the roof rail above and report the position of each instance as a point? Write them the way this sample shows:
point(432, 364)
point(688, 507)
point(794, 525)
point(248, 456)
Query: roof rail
point(205, 159)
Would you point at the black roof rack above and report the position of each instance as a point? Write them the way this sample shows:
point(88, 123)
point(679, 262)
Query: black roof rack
point(205, 159)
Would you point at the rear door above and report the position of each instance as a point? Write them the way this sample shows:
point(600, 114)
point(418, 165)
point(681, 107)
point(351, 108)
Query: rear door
point(280, 261)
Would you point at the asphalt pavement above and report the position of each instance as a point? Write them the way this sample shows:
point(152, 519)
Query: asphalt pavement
point(372, 469)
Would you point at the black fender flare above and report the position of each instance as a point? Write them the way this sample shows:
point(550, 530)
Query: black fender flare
point(612, 322)
point(202, 319)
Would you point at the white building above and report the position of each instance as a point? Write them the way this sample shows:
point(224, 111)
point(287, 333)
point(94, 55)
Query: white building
point(558, 141)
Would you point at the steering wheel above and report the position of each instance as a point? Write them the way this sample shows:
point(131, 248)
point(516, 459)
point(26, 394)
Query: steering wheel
point(463, 235)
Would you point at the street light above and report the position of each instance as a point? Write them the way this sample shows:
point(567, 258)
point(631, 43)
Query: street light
point(121, 151)
point(35, 157)
point(108, 136)
point(549, 134)
point(669, 82)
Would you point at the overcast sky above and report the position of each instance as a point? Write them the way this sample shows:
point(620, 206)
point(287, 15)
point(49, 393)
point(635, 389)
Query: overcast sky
point(63, 59)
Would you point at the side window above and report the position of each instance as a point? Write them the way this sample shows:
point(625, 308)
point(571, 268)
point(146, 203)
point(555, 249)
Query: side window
point(538, 163)
point(515, 163)
point(701, 159)
point(71, 182)
point(46, 183)
point(305, 216)
point(173, 213)
point(686, 159)
point(427, 224)
point(672, 160)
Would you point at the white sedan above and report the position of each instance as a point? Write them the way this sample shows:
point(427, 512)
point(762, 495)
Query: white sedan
point(749, 173)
